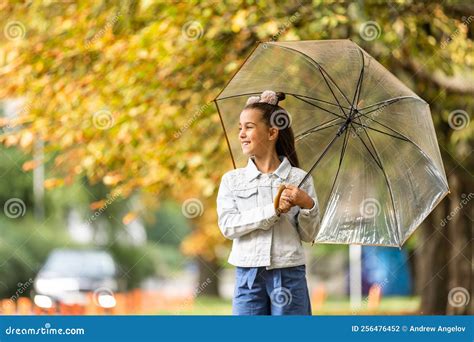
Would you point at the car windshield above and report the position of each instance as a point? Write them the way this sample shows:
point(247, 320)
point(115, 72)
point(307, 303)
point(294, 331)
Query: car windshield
point(80, 263)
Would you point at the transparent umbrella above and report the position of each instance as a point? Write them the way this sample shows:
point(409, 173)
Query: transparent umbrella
point(366, 138)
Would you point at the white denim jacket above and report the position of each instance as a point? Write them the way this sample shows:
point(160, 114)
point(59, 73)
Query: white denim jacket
point(247, 216)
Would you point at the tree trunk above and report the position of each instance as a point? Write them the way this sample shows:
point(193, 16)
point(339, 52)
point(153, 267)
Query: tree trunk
point(444, 255)
point(208, 284)
point(432, 258)
point(460, 235)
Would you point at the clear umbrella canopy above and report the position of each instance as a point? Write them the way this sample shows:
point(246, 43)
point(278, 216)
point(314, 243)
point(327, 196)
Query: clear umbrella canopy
point(366, 138)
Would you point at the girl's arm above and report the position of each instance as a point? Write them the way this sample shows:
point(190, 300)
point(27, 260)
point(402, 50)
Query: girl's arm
point(308, 220)
point(234, 223)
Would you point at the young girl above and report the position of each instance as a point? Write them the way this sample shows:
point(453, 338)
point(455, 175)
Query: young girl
point(267, 249)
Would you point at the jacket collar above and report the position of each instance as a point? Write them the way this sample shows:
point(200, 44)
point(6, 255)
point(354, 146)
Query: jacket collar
point(282, 171)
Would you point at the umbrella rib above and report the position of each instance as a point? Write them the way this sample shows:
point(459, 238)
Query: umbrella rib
point(314, 105)
point(232, 96)
point(315, 128)
point(401, 137)
point(390, 101)
point(321, 69)
point(359, 83)
point(240, 67)
point(341, 157)
point(314, 131)
point(368, 149)
point(388, 186)
point(374, 129)
point(298, 96)
point(332, 92)
point(225, 134)
point(329, 76)
point(319, 159)
point(315, 99)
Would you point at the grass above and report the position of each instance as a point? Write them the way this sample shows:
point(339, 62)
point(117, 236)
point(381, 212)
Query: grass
point(332, 306)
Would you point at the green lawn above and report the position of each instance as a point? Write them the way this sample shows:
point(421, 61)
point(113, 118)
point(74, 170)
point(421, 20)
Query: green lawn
point(332, 306)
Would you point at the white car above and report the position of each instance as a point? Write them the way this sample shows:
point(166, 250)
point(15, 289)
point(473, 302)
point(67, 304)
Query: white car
point(69, 274)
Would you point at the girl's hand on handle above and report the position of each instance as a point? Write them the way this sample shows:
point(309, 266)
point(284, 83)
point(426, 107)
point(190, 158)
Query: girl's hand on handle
point(296, 196)
point(284, 206)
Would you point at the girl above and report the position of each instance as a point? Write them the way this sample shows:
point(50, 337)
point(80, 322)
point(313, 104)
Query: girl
point(267, 249)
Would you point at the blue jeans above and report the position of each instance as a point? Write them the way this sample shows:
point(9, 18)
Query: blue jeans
point(279, 291)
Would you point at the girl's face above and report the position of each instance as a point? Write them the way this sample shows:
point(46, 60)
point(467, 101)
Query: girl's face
point(255, 136)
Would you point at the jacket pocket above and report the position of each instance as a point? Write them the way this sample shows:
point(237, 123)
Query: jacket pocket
point(246, 198)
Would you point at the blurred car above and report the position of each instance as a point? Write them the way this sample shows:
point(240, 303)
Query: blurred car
point(69, 274)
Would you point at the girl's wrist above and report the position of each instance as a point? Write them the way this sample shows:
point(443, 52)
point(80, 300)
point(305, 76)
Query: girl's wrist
point(309, 204)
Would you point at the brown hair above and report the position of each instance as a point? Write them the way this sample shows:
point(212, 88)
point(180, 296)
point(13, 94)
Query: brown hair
point(276, 116)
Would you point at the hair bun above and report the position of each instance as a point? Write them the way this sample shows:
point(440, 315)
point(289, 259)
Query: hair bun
point(280, 96)
point(268, 96)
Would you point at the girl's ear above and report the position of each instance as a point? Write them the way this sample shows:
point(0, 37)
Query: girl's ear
point(273, 133)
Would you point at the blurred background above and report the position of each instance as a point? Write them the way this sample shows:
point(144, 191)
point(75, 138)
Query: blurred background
point(112, 152)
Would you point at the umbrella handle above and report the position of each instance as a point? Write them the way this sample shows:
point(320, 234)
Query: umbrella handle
point(276, 201)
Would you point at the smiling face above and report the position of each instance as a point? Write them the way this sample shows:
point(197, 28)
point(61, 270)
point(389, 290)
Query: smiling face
point(256, 138)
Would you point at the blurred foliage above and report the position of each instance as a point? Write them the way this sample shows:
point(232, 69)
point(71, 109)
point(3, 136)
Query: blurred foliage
point(150, 68)
point(23, 249)
point(168, 225)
